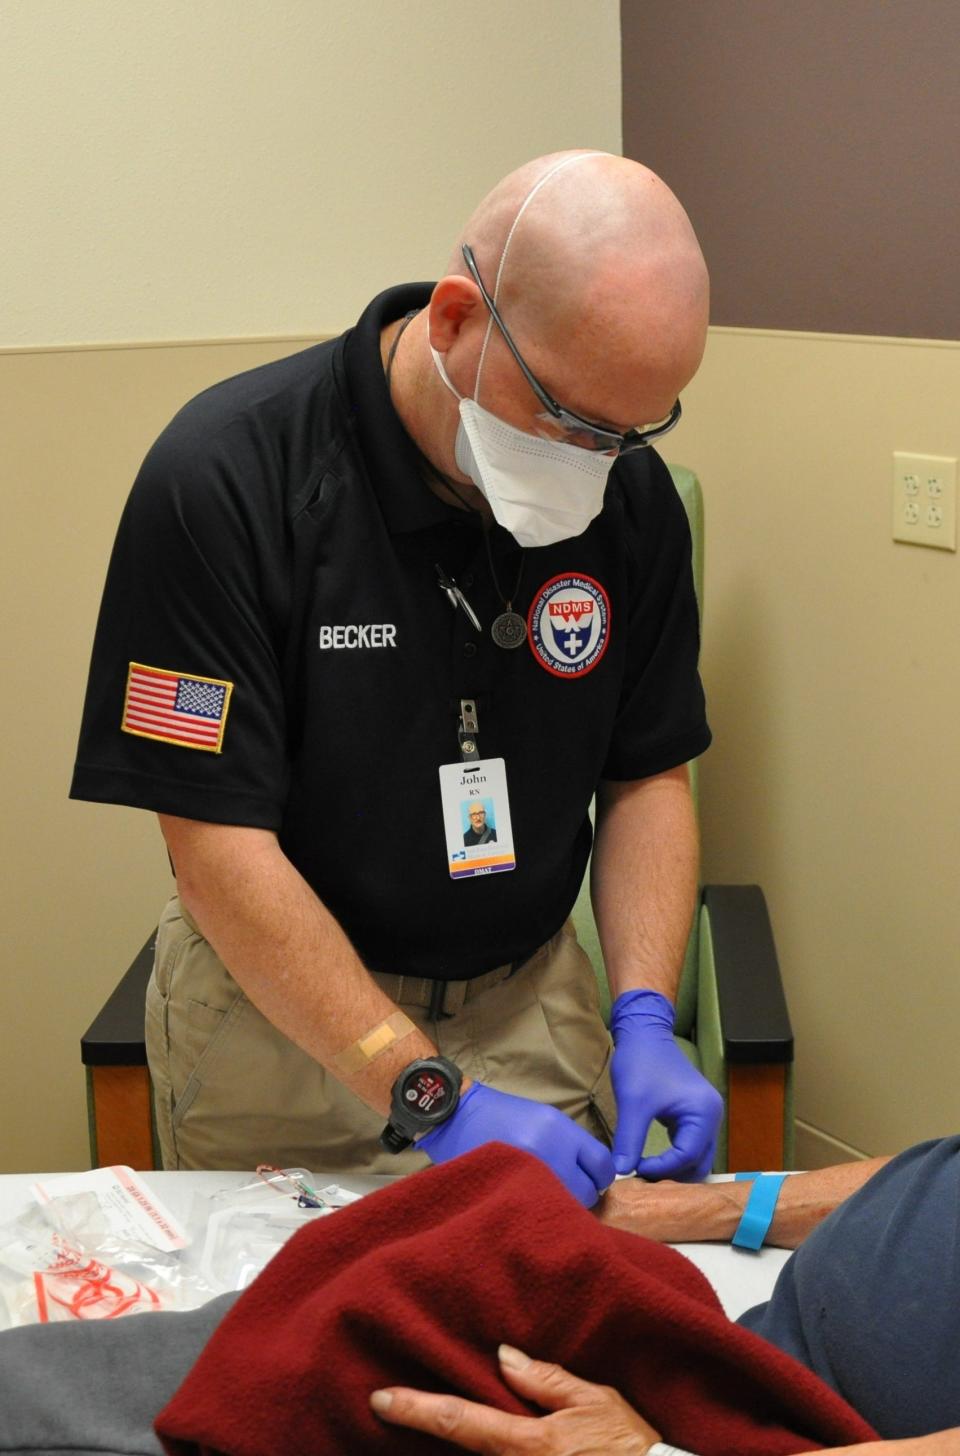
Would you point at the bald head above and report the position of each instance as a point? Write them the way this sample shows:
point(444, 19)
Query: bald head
point(598, 275)
point(589, 246)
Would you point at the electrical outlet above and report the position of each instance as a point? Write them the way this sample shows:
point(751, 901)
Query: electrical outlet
point(925, 500)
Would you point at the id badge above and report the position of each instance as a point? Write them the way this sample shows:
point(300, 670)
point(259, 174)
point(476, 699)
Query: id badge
point(476, 818)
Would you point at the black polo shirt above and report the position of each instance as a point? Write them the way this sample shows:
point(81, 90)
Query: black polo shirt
point(297, 667)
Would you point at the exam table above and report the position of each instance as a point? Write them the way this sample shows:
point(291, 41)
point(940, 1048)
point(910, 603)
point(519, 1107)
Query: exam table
point(741, 1279)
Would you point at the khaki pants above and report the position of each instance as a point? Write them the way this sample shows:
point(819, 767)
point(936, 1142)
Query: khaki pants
point(230, 1091)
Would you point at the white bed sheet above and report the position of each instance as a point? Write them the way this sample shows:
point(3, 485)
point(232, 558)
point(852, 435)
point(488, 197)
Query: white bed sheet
point(741, 1279)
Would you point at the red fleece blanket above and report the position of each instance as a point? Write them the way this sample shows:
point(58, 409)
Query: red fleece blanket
point(418, 1284)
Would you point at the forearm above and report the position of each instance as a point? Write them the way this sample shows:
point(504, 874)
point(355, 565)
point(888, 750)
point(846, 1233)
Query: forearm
point(678, 1213)
point(285, 950)
point(938, 1443)
point(644, 880)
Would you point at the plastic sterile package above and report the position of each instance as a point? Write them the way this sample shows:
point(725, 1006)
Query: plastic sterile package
point(100, 1245)
point(95, 1245)
point(244, 1227)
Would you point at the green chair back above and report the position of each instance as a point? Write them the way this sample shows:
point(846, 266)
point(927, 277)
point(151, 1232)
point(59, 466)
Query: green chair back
point(688, 489)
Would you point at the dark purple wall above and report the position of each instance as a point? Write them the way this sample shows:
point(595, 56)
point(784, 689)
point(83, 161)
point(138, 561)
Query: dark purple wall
point(816, 146)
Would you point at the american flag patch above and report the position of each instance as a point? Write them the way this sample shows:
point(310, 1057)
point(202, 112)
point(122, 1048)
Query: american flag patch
point(174, 708)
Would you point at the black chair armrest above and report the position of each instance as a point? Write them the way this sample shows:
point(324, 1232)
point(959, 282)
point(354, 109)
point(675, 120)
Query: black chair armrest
point(115, 1038)
point(754, 1020)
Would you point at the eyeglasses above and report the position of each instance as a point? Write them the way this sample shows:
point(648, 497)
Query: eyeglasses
point(604, 439)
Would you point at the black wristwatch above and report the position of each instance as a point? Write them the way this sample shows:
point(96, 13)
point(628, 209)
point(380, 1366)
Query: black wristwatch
point(424, 1095)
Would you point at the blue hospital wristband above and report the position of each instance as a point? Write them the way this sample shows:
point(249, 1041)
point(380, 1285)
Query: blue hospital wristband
point(761, 1206)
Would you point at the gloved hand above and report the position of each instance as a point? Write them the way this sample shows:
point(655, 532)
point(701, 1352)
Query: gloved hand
point(653, 1079)
point(485, 1115)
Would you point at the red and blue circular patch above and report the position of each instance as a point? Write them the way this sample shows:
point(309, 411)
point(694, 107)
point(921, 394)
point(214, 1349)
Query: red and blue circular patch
point(569, 625)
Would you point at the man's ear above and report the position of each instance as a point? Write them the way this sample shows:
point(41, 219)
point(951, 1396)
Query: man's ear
point(453, 302)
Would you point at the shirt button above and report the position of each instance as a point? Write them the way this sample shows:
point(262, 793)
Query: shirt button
point(468, 579)
point(469, 649)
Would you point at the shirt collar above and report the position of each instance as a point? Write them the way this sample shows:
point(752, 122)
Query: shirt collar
point(392, 460)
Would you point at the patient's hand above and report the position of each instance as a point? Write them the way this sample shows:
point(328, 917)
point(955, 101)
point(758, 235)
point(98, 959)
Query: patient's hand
point(585, 1419)
point(673, 1213)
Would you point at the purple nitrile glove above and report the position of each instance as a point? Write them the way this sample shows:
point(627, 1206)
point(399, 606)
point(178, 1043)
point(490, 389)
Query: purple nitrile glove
point(653, 1079)
point(485, 1115)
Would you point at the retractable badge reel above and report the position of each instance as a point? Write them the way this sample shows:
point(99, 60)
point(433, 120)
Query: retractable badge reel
point(476, 806)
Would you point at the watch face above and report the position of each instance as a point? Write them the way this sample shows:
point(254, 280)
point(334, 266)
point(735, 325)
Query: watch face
point(426, 1092)
point(422, 1097)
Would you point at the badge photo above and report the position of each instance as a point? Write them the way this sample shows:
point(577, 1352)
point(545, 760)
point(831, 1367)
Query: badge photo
point(476, 818)
point(569, 625)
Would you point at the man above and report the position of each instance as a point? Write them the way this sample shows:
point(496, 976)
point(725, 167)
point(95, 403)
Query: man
point(480, 832)
point(332, 575)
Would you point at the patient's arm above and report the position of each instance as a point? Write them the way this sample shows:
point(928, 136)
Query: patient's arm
point(940, 1443)
point(679, 1213)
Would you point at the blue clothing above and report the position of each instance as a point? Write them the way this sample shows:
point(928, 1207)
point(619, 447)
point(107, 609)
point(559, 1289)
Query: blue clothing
point(871, 1300)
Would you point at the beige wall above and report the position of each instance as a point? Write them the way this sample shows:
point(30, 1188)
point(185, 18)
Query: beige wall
point(200, 170)
point(832, 665)
point(188, 172)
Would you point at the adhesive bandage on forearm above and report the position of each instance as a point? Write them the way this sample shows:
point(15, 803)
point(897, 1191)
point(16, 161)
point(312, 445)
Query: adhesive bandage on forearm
point(373, 1044)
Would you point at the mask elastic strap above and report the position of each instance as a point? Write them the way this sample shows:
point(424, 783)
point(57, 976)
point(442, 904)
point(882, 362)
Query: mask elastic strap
point(557, 167)
point(441, 370)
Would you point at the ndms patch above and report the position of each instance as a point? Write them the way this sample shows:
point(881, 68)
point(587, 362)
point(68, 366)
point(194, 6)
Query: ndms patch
point(569, 625)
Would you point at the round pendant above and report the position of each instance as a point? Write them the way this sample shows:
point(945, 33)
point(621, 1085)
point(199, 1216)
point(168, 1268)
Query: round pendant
point(509, 630)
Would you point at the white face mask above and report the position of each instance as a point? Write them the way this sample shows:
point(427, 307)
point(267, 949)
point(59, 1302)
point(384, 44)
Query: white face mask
point(541, 491)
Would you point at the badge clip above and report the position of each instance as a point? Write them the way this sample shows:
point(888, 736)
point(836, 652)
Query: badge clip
point(468, 731)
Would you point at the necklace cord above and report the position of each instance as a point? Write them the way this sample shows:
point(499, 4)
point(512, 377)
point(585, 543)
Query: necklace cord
point(388, 369)
point(507, 604)
point(448, 485)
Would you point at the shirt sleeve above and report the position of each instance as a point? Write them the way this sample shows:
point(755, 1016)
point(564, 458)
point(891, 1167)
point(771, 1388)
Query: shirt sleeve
point(661, 720)
point(184, 711)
